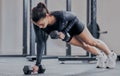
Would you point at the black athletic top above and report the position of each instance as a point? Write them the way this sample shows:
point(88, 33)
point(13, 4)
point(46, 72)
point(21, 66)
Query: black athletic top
point(65, 21)
point(62, 19)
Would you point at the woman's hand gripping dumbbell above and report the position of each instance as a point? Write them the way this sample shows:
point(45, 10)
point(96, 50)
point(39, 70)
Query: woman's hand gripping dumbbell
point(60, 35)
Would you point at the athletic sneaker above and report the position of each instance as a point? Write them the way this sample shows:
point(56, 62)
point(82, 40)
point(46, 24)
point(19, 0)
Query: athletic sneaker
point(111, 60)
point(101, 58)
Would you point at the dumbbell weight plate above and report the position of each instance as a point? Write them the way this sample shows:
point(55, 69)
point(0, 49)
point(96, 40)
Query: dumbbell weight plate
point(27, 70)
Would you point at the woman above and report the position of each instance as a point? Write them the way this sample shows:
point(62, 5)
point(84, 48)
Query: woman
point(79, 34)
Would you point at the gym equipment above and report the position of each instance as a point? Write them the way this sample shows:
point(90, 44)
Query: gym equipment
point(96, 31)
point(118, 57)
point(31, 58)
point(54, 35)
point(28, 70)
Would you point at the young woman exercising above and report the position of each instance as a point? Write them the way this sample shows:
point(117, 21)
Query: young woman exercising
point(66, 22)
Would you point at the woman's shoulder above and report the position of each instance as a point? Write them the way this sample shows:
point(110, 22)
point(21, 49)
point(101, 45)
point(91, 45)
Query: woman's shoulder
point(61, 12)
point(58, 13)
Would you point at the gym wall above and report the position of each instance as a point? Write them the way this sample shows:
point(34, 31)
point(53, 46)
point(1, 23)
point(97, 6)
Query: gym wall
point(0, 25)
point(108, 17)
point(11, 26)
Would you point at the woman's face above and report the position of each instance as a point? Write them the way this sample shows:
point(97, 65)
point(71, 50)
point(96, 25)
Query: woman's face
point(42, 23)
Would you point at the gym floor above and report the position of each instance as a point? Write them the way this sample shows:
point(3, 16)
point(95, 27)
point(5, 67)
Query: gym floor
point(13, 67)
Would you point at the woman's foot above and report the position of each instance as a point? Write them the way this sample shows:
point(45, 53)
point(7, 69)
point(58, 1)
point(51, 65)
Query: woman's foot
point(101, 58)
point(111, 60)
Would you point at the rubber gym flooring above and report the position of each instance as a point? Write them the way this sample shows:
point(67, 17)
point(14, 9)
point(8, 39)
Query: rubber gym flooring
point(13, 67)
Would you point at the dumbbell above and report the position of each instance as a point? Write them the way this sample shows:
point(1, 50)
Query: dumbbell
point(54, 35)
point(28, 69)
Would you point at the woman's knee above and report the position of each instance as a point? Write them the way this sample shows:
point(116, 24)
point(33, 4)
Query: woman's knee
point(92, 42)
point(86, 46)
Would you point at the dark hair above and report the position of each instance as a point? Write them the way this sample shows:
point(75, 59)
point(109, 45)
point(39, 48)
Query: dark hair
point(39, 12)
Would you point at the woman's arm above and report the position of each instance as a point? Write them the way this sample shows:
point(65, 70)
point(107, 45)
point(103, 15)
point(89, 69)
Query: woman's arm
point(40, 44)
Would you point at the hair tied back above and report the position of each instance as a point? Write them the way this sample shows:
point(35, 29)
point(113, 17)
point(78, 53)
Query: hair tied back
point(41, 5)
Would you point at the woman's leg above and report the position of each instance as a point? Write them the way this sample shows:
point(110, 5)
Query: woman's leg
point(74, 41)
point(100, 57)
point(86, 41)
point(89, 39)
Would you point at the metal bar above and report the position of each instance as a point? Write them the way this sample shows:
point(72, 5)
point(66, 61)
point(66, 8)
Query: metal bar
point(68, 8)
point(32, 35)
point(68, 49)
point(93, 18)
point(88, 17)
point(93, 10)
point(69, 58)
point(25, 18)
point(13, 55)
point(46, 1)
point(32, 58)
point(68, 5)
point(88, 12)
